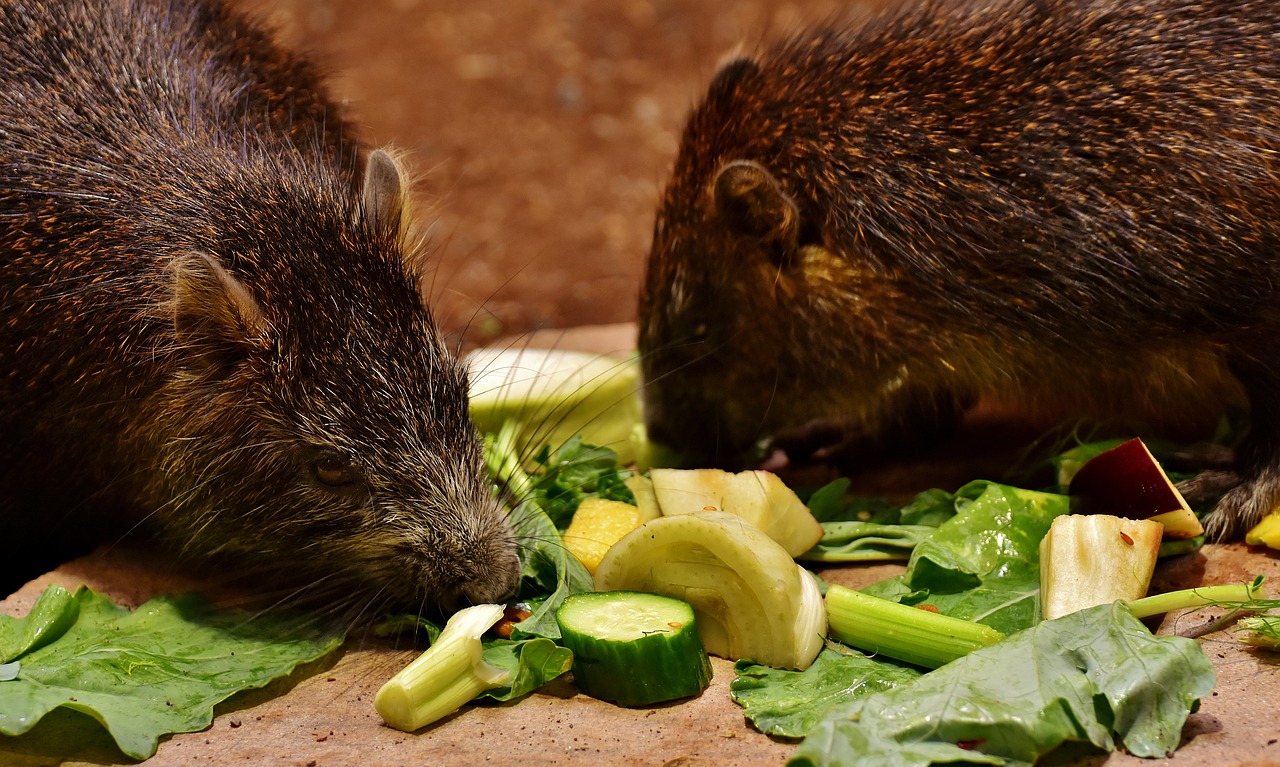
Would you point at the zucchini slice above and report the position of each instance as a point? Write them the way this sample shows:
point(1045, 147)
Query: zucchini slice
point(632, 648)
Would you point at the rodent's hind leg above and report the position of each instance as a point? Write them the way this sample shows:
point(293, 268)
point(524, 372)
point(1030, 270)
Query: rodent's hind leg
point(1201, 457)
point(1257, 467)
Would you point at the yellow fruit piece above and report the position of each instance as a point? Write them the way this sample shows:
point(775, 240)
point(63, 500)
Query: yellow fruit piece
point(596, 526)
point(1266, 532)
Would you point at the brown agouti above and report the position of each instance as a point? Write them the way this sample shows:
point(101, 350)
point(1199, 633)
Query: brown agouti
point(211, 328)
point(1073, 204)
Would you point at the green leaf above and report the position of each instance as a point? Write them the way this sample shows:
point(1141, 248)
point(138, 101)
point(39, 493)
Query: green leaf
point(866, 542)
point(533, 663)
point(1097, 675)
point(830, 503)
point(788, 704)
point(549, 573)
point(53, 613)
point(983, 564)
point(573, 472)
point(860, 529)
point(156, 670)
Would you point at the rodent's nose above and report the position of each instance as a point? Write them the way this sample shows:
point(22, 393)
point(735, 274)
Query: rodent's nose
point(491, 577)
point(498, 584)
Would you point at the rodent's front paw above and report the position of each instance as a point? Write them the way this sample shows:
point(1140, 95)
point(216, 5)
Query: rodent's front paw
point(1243, 506)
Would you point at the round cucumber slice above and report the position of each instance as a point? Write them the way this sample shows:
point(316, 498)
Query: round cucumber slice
point(632, 648)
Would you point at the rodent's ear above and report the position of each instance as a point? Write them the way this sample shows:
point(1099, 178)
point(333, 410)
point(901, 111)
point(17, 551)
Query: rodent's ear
point(730, 75)
point(215, 318)
point(382, 203)
point(752, 204)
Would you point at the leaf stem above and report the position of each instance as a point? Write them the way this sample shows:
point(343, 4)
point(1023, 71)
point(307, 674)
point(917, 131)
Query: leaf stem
point(1241, 596)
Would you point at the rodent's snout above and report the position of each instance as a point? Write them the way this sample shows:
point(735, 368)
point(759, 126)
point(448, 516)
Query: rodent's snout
point(495, 581)
point(468, 559)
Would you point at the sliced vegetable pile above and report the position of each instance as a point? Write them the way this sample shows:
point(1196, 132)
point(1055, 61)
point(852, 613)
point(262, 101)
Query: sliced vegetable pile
point(1029, 613)
point(1015, 626)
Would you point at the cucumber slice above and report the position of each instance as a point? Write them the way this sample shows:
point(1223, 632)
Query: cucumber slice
point(632, 648)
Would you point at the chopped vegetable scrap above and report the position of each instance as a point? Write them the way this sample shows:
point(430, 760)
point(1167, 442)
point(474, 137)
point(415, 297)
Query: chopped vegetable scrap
point(450, 673)
point(1095, 559)
point(553, 395)
point(751, 598)
point(634, 648)
point(1127, 481)
point(597, 525)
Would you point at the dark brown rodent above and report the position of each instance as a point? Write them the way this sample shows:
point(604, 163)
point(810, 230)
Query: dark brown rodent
point(1054, 201)
point(211, 329)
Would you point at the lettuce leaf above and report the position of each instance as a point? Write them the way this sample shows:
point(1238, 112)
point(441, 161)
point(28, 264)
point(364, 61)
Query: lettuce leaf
point(983, 564)
point(788, 704)
point(549, 573)
point(532, 662)
point(869, 529)
point(145, 673)
point(831, 503)
point(1097, 676)
point(866, 542)
point(572, 472)
point(50, 617)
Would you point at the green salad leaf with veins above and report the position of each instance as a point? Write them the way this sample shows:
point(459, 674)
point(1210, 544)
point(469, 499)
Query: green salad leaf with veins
point(1097, 675)
point(143, 673)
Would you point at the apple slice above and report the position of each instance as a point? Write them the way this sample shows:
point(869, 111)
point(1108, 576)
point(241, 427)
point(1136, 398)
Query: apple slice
point(1095, 559)
point(759, 497)
point(1126, 481)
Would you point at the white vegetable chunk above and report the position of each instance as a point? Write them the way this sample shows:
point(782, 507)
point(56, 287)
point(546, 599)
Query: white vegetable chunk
point(751, 599)
point(556, 393)
point(759, 497)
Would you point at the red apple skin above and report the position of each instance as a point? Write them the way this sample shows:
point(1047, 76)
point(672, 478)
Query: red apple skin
point(1127, 481)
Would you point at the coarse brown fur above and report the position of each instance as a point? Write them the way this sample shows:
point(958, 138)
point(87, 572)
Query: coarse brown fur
point(1071, 203)
point(208, 331)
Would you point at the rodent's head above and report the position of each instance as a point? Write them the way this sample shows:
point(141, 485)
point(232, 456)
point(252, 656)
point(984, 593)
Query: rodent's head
point(317, 426)
point(757, 313)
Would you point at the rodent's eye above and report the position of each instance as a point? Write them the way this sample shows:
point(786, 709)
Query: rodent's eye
point(334, 471)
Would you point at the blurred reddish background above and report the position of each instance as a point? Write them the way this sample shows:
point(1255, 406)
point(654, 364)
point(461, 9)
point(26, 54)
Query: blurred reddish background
point(541, 132)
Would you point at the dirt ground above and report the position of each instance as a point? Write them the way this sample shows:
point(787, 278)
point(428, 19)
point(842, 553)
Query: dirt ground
point(541, 132)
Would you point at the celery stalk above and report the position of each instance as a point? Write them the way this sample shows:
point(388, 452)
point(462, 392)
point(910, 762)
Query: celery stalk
point(899, 631)
point(450, 673)
point(1233, 595)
